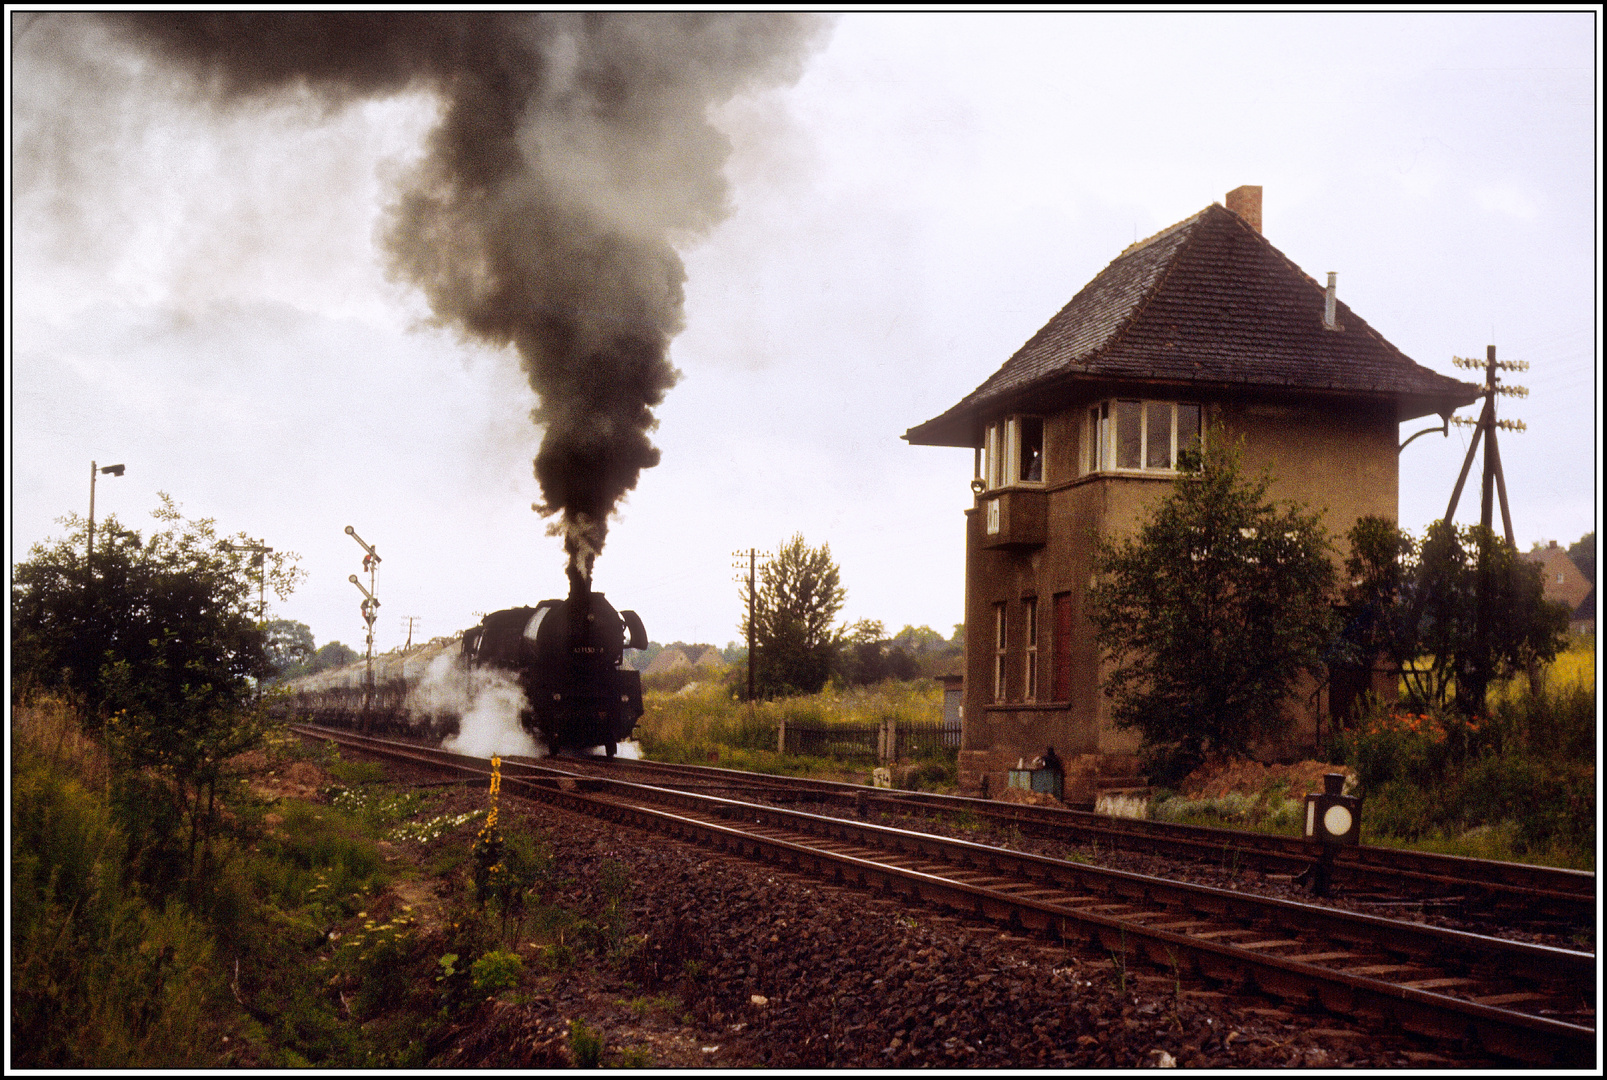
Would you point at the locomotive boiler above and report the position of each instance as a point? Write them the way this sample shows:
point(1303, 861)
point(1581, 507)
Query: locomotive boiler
point(566, 656)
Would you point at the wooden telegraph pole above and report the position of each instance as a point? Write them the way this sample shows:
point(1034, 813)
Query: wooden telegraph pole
point(1485, 428)
point(752, 556)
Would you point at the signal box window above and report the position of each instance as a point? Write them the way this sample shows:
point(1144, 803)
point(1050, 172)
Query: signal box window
point(1125, 435)
point(1013, 448)
point(998, 652)
point(1060, 688)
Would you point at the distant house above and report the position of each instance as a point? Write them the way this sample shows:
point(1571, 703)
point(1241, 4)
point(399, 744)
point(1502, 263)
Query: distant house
point(678, 655)
point(1566, 584)
point(1079, 433)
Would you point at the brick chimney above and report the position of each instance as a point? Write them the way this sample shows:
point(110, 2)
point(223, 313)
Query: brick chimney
point(1246, 202)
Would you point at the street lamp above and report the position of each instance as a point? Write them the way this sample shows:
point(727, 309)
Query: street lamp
point(114, 470)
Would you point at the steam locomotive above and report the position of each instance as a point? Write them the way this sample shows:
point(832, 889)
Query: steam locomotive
point(566, 656)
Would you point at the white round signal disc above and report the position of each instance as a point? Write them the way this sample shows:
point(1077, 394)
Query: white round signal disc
point(1337, 820)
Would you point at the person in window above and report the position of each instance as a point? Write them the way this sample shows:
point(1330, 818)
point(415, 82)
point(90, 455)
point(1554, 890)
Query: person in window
point(1032, 469)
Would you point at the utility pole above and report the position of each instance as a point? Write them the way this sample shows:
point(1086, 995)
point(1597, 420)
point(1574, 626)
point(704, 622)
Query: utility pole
point(411, 621)
point(369, 608)
point(752, 555)
point(1485, 428)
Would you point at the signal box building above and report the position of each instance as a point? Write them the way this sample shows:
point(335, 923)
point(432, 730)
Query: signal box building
point(1205, 323)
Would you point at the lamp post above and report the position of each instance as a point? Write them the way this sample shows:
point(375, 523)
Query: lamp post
point(262, 573)
point(114, 470)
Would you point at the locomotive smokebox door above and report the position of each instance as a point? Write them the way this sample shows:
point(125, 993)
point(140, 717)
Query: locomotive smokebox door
point(1333, 819)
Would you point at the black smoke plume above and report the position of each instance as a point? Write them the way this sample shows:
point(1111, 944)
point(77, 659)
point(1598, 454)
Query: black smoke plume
point(572, 149)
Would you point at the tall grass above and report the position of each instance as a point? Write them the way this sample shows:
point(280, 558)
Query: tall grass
point(101, 976)
point(705, 721)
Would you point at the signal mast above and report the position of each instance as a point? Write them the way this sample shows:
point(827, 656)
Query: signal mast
point(369, 608)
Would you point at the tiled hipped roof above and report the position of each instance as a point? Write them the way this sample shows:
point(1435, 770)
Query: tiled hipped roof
point(1207, 302)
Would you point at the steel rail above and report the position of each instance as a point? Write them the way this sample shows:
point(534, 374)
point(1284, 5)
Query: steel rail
point(1032, 901)
point(1570, 893)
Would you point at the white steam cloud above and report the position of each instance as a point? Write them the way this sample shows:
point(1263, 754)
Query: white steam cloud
point(487, 701)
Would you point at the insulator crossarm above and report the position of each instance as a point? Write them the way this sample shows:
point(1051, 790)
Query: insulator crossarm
point(1501, 365)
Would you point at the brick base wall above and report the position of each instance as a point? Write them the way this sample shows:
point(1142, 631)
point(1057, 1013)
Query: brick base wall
point(988, 771)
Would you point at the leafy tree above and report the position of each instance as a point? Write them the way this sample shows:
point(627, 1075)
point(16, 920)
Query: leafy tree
point(332, 655)
point(1417, 604)
point(157, 643)
point(1583, 553)
point(864, 660)
point(1211, 613)
point(863, 632)
point(68, 623)
point(798, 595)
point(920, 639)
point(289, 644)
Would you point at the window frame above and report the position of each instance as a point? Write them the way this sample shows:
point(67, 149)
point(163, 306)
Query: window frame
point(1102, 432)
point(1002, 458)
point(1000, 639)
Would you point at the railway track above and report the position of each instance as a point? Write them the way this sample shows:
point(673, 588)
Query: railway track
point(1523, 1002)
point(1535, 894)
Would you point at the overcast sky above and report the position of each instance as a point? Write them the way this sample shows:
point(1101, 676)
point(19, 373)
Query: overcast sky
point(201, 297)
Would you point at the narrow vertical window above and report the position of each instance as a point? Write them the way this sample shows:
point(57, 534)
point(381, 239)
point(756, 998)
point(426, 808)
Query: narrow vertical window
point(1031, 604)
point(1157, 435)
point(992, 450)
point(1104, 437)
point(1061, 687)
point(998, 652)
point(1012, 451)
point(1188, 427)
point(1031, 450)
point(1129, 434)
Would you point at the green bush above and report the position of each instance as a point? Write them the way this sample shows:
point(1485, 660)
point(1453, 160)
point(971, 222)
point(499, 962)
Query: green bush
point(933, 774)
point(496, 971)
point(1518, 782)
point(585, 1045)
point(1547, 800)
